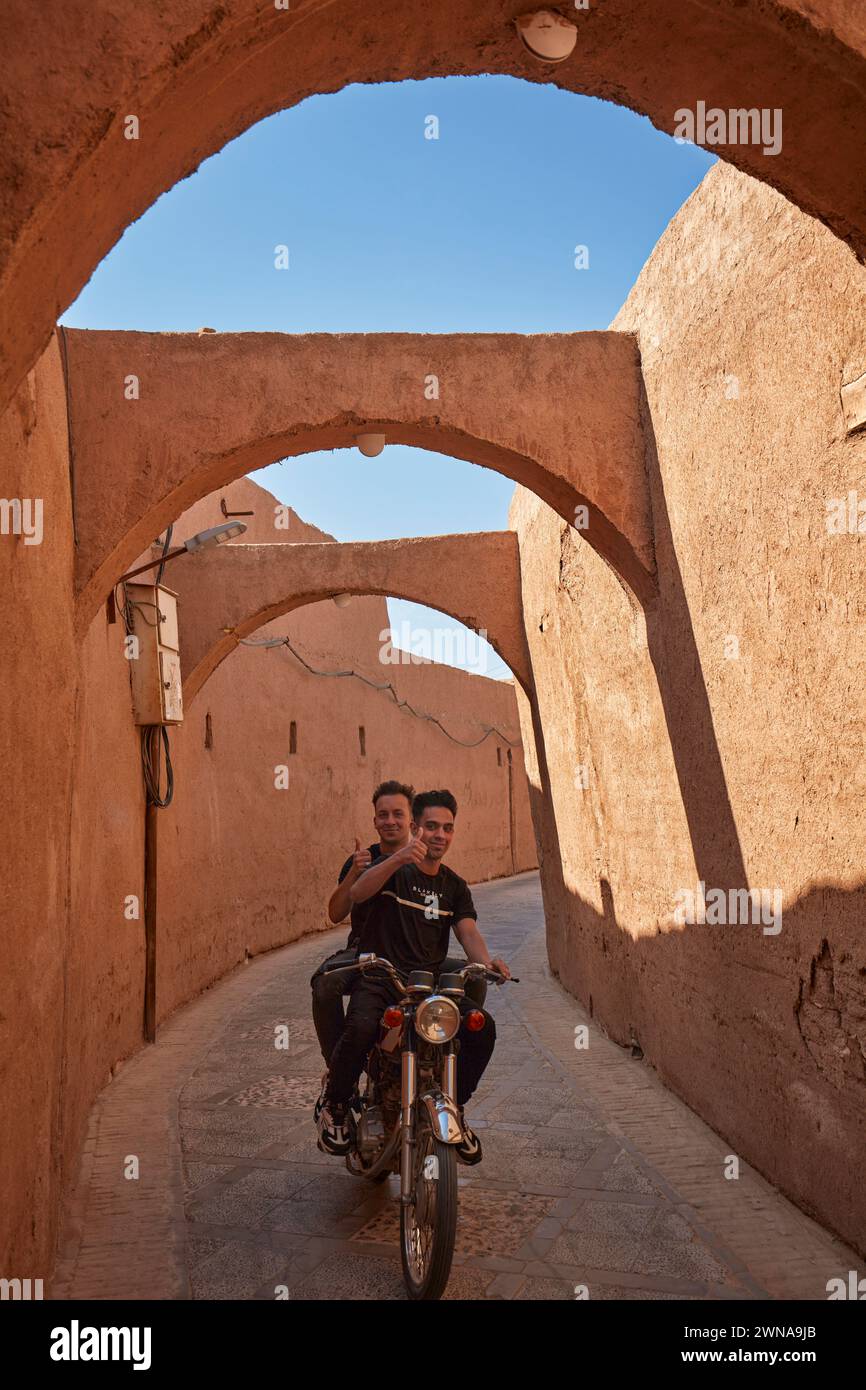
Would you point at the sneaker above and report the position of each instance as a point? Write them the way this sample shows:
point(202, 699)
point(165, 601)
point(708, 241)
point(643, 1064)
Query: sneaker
point(468, 1151)
point(333, 1131)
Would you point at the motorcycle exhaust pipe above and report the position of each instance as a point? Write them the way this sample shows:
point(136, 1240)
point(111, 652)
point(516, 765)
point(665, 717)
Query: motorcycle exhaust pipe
point(449, 1075)
point(408, 1093)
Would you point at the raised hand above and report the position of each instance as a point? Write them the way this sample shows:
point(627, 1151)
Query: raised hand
point(413, 853)
point(361, 859)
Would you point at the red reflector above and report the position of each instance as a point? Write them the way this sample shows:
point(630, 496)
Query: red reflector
point(392, 1017)
point(475, 1021)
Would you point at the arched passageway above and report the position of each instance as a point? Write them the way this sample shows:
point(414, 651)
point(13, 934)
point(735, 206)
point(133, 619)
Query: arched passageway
point(236, 590)
point(559, 413)
point(194, 76)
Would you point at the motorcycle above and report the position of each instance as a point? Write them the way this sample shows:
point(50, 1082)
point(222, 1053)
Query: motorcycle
point(406, 1120)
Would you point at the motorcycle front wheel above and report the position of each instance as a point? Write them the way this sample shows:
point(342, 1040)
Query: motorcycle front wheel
point(428, 1228)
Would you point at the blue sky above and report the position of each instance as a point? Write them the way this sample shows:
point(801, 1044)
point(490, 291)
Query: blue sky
point(388, 231)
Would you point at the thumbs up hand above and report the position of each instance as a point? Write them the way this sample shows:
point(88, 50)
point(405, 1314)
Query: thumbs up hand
point(415, 852)
point(361, 859)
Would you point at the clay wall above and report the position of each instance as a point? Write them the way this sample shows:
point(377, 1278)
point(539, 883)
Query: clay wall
point(738, 763)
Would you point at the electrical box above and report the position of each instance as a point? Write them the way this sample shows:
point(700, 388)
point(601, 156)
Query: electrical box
point(154, 664)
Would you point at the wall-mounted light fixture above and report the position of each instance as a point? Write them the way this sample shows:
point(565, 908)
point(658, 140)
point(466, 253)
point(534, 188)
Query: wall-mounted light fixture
point(547, 35)
point(371, 444)
point(217, 535)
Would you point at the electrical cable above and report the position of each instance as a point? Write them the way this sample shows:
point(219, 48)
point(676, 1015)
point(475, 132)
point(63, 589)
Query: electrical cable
point(401, 704)
point(151, 744)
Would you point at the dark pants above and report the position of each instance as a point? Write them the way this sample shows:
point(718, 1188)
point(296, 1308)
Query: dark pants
point(328, 991)
point(368, 1002)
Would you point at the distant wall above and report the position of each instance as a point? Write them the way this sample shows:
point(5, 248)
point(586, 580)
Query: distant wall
point(739, 770)
point(246, 866)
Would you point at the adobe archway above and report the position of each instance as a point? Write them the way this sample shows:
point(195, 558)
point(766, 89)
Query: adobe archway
point(159, 420)
point(194, 75)
point(228, 593)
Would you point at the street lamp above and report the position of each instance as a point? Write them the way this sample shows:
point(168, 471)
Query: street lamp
point(217, 535)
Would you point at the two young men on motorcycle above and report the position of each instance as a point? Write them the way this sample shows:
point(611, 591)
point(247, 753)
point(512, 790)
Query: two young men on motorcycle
point(404, 903)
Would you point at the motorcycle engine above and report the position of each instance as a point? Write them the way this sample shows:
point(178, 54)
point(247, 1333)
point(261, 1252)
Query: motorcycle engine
point(370, 1132)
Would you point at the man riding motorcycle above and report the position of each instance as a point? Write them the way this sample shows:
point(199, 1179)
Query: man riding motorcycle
point(392, 816)
point(414, 901)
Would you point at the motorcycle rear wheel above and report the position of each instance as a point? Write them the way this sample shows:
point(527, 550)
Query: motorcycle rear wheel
point(428, 1229)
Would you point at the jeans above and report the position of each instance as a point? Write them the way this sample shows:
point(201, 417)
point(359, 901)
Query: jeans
point(368, 1001)
point(328, 991)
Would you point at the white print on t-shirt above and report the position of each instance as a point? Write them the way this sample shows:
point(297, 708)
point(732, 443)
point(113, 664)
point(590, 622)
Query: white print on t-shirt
point(431, 910)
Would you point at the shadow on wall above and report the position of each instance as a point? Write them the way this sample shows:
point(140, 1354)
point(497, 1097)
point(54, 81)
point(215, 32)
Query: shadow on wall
point(758, 1032)
point(674, 654)
point(766, 1049)
point(796, 1111)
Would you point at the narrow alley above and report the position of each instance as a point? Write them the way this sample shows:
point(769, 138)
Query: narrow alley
point(596, 1180)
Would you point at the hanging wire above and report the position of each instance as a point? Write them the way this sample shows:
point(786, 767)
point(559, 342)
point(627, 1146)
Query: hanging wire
point(375, 685)
point(154, 737)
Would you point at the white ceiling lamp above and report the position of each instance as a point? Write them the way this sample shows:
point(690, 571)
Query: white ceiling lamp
point(371, 444)
point(547, 35)
point(341, 600)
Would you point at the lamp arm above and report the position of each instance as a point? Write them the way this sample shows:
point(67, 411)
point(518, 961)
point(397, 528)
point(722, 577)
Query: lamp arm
point(152, 564)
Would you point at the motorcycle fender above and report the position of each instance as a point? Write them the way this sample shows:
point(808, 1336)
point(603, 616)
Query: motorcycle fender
point(444, 1116)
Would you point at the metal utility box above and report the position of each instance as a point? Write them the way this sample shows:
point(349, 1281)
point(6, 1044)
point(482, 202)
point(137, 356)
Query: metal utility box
point(155, 667)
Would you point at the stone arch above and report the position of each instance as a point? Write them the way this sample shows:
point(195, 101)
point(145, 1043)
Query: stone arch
point(196, 75)
point(559, 413)
point(228, 594)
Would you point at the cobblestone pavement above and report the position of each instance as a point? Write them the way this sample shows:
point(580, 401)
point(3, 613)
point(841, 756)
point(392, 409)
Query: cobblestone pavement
point(594, 1174)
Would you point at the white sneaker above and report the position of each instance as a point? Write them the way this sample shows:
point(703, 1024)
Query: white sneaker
point(468, 1151)
point(333, 1130)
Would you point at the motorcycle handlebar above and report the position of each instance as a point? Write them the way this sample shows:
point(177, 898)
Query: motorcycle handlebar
point(370, 961)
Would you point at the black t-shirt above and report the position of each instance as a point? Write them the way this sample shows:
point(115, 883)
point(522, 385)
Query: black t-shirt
point(410, 918)
point(359, 911)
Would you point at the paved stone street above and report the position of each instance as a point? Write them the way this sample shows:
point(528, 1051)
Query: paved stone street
point(593, 1172)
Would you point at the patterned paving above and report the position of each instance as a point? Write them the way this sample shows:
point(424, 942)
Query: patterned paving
point(596, 1181)
point(280, 1092)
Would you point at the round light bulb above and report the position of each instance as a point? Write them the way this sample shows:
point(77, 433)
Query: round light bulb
point(547, 35)
point(371, 444)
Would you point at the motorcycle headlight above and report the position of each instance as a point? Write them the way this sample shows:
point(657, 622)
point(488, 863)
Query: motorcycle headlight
point(437, 1019)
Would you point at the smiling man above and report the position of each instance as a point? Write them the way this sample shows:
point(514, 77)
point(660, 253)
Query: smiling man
point(414, 902)
point(392, 817)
